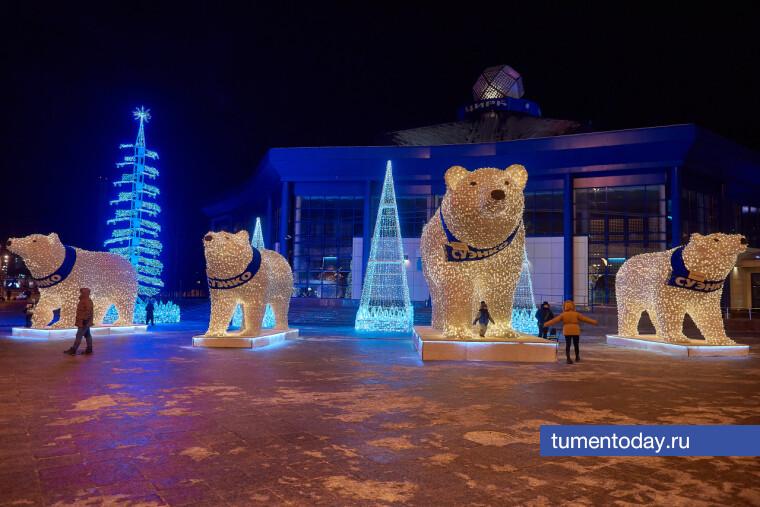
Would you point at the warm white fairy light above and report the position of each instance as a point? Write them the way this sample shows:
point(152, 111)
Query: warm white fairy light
point(668, 288)
point(481, 256)
point(252, 277)
point(60, 271)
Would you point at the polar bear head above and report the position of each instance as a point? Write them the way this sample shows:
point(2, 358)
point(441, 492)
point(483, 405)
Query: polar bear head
point(714, 254)
point(226, 253)
point(484, 203)
point(42, 254)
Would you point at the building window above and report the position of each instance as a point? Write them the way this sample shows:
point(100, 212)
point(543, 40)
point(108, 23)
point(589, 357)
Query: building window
point(543, 213)
point(620, 222)
point(324, 228)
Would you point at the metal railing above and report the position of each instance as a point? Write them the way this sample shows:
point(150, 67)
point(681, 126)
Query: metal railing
point(740, 312)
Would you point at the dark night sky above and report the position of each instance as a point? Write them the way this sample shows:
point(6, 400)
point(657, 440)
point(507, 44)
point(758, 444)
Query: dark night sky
point(224, 84)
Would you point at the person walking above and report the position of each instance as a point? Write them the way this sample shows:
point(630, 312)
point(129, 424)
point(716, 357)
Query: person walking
point(543, 314)
point(84, 317)
point(483, 318)
point(149, 309)
point(571, 328)
point(29, 312)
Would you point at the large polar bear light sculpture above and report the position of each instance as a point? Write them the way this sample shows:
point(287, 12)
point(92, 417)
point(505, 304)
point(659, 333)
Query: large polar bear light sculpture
point(252, 277)
point(472, 249)
point(668, 285)
point(59, 272)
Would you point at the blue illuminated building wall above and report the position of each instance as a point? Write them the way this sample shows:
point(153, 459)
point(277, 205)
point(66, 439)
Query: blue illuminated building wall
point(592, 200)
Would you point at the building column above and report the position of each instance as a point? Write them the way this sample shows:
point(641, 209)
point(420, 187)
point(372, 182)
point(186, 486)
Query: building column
point(675, 206)
point(567, 233)
point(284, 218)
point(268, 235)
point(366, 233)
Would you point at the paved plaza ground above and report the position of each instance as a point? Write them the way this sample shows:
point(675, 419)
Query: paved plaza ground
point(337, 418)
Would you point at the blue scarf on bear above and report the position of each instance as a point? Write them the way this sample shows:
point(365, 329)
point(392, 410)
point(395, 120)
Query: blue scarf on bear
point(681, 277)
point(241, 279)
point(60, 274)
point(457, 251)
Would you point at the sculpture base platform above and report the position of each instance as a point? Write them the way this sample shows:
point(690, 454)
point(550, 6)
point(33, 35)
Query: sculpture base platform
point(266, 338)
point(71, 332)
point(692, 348)
point(431, 345)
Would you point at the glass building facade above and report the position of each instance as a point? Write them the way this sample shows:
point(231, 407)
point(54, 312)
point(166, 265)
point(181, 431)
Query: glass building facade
point(592, 201)
point(620, 222)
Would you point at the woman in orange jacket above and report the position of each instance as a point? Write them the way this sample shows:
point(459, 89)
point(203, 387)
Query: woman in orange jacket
point(571, 328)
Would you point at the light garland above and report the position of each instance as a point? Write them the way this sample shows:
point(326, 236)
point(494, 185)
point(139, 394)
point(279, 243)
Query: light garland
point(478, 255)
point(59, 272)
point(135, 236)
point(385, 304)
point(670, 284)
point(239, 274)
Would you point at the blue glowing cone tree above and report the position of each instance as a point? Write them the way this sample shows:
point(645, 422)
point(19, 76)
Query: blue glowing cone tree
point(524, 306)
point(135, 234)
point(385, 304)
point(257, 241)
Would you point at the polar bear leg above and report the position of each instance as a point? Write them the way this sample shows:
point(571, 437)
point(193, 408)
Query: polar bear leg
point(43, 313)
point(280, 305)
point(100, 308)
point(68, 316)
point(669, 326)
point(499, 300)
point(126, 311)
point(222, 308)
point(253, 314)
point(455, 307)
point(629, 315)
point(709, 321)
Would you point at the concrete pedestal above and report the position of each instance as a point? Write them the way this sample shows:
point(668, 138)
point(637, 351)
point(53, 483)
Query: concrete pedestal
point(266, 338)
point(431, 345)
point(70, 332)
point(692, 348)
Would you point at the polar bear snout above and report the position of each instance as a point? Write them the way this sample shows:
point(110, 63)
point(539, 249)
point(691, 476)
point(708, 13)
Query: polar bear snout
point(8, 243)
point(498, 194)
point(743, 241)
point(207, 237)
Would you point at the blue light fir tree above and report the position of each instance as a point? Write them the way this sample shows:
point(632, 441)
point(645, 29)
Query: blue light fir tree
point(257, 241)
point(135, 234)
point(385, 304)
point(524, 304)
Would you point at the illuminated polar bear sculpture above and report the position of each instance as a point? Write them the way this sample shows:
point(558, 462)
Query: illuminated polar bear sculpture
point(472, 249)
point(668, 285)
point(252, 277)
point(60, 271)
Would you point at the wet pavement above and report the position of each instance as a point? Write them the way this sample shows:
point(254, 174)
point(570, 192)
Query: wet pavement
point(338, 418)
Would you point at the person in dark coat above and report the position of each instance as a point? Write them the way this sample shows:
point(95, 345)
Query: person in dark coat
point(149, 308)
point(483, 318)
point(543, 314)
point(84, 318)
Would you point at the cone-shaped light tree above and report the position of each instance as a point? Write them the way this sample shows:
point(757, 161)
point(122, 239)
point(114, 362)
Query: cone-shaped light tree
point(524, 306)
point(257, 241)
point(385, 304)
point(135, 234)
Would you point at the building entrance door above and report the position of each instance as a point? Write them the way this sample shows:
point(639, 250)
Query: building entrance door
point(755, 283)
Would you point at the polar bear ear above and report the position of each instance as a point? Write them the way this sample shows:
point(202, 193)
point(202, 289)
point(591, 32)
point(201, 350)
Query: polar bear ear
point(242, 235)
point(518, 174)
point(53, 238)
point(454, 174)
